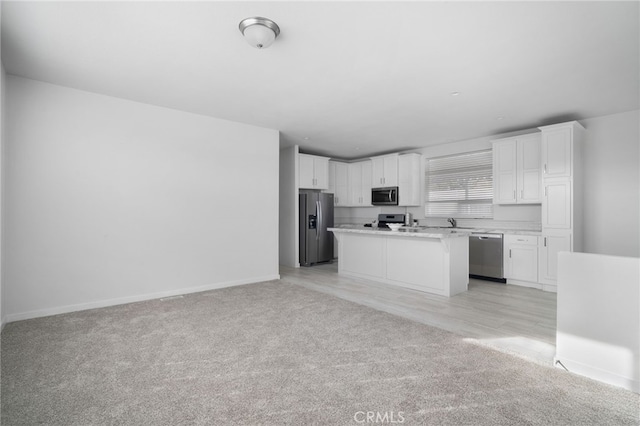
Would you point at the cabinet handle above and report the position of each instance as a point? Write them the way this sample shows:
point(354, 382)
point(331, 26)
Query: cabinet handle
point(545, 241)
point(509, 253)
point(545, 169)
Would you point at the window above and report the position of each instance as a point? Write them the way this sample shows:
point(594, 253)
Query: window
point(460, 185)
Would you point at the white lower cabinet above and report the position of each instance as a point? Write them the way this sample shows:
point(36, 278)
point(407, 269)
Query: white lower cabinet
point(437, 264)
point(551, 244)
point(532, 261)
point(521, 260)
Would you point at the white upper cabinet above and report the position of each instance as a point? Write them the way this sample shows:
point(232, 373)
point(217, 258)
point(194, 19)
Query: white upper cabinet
point(516, 170)
point(313, 172)
point(409, 179)
point(504, 172)
point(384, 171)
point(529, 169)
point(557, 152)
point(360, 184)
point(339, 183)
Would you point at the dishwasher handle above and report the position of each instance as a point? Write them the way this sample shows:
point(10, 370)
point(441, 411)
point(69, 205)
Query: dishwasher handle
point(486, 236)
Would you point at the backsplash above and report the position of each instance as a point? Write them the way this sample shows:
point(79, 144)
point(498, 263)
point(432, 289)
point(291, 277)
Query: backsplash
point(484, 223)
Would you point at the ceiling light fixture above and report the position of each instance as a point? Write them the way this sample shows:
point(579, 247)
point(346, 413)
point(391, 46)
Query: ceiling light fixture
point(259, 32)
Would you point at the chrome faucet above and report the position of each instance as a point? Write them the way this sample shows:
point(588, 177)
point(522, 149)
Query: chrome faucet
point(452, 221)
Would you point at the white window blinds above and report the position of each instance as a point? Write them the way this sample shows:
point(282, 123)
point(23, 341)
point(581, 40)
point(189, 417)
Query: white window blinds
point(460, 185)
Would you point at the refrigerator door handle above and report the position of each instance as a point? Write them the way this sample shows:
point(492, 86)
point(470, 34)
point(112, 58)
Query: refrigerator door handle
point(319, 216)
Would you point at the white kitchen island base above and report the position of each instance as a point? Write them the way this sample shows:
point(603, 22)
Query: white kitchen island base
point(431, 262)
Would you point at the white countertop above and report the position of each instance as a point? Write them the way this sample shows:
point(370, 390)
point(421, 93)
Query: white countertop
point(502, 231)
point(430, 232)
point(418, 232)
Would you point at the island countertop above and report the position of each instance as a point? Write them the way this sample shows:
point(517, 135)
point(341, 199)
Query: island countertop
point(414, 232)
point(432, 232)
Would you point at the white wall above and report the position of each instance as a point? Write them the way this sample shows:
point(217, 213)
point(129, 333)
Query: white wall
point(110, 201)
point(2, 139)
point(289, 255)
point(3, 77)
point(598, 332)
point(611, 210)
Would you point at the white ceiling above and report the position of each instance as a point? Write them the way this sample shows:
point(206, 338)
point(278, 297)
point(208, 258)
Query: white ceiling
point(355, 78)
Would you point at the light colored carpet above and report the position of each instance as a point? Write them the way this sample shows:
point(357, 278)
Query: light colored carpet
point(277, 353)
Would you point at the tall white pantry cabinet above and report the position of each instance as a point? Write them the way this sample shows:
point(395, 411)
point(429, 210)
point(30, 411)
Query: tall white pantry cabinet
point(541, 168)
point(561, 197)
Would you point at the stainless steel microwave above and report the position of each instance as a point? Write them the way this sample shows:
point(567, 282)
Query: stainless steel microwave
point(384, 196)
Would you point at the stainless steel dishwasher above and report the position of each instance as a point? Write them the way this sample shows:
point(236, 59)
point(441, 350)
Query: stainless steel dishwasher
point(485, 257)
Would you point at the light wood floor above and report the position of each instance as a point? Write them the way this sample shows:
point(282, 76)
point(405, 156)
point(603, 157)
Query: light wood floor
point(510, 318)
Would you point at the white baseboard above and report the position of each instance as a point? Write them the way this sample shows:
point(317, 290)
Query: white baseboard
point(132, 299)
point(598, 374)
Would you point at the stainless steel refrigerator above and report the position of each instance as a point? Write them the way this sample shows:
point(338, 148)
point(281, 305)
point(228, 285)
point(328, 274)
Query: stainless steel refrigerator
point(316, 215)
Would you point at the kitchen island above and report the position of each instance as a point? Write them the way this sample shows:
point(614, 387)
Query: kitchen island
point(433, 261)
